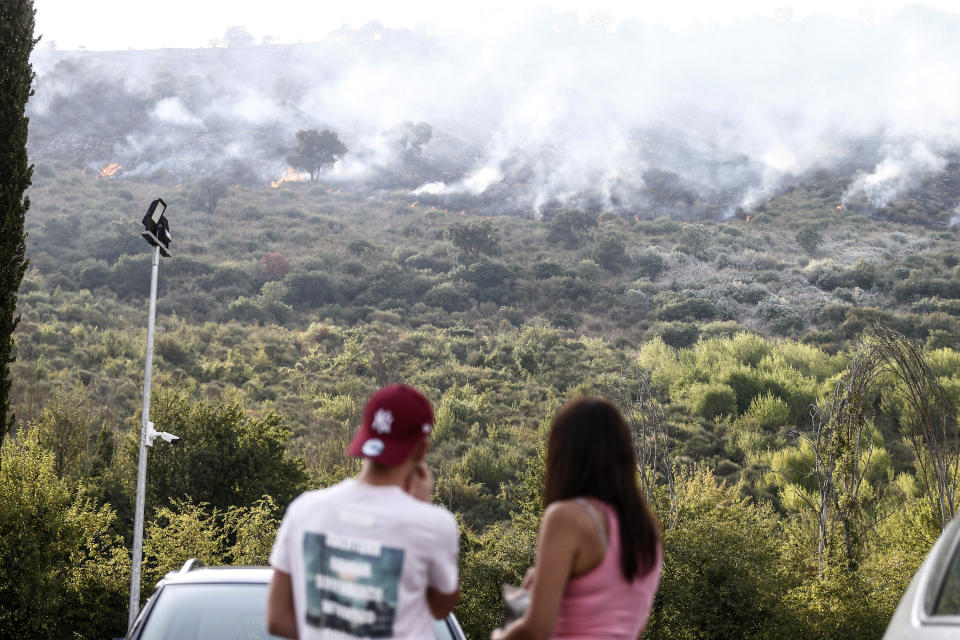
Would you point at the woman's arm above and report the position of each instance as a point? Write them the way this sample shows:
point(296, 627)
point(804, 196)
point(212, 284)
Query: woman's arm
point(557, 545)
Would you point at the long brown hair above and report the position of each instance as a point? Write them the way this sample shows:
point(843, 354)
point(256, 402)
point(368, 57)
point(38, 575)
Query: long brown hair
point(590, 453)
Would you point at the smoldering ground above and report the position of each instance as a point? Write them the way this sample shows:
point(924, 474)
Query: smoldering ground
point(553, 112)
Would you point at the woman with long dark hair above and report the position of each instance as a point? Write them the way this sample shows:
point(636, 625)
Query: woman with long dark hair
point(598, 549)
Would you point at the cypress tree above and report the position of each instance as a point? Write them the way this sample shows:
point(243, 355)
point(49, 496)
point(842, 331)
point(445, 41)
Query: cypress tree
point(16, 76)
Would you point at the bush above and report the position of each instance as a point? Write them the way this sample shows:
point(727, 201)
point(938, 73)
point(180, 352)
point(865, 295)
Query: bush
point(309, 289)
point(650, 264)
point(473, 238)
point(541, 270)
point(862, 274)
point(275, 265)
point(360, 247)
point(709, 400)
point(493, 281)
point(767, 412)
point(610, 252)
point(676, 334)
point(569, 227)
point(824, 274)
point(688, 309)
point(694, 240)
point(809, 238)
point(448, 297)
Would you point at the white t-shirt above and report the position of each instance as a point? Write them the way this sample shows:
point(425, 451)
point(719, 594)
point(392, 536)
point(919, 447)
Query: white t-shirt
point(360, 559)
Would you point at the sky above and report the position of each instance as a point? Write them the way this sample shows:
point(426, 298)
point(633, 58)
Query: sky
point(150, 24)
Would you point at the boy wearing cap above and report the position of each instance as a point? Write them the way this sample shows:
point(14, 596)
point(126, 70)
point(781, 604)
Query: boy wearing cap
point(369, 557)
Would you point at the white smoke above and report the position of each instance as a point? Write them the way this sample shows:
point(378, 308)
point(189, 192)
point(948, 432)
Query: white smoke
point(898, 171)
point(172, 111)
point(558, 107)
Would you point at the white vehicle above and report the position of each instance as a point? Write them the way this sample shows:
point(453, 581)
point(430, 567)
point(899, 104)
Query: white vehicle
point(930, 609)
point(221, 603)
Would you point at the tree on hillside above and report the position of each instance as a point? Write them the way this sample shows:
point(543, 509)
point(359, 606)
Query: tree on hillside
point(473, 238)
point(235, 37)
point(929, 420)
point(206, 194)
point(226, 458)
point(16, 75)
point(569, 227)
point(315, 151)
point(62, 572)
point(809, 238)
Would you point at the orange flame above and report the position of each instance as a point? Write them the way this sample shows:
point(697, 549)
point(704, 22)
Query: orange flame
point(413, 205)
point(109, 170)
point(290, 175)
point(748, 219)
point(839, 207)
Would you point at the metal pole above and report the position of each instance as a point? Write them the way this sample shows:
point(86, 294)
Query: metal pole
point(142, 464)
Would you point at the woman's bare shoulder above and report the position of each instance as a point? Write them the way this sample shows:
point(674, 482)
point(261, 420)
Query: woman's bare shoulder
point(565, 513)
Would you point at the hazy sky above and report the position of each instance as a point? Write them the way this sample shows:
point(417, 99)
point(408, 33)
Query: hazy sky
point(145, 24)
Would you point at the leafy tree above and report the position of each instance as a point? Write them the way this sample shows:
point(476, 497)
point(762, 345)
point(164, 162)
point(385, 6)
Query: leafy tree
point(694, 240)
point(610, 252)
point(809, 238)
point(237, 37)
point(275, 265)
point(225, 458)
point(473, 238)
point(650, 263)
point(62, 573)
point(315, 151)
point(721, 572)
point(16, 76)
point(309, 288)
point(206, 194)
point(180, 531)
point(68, 429)
point(493, 280)
point(569, 227)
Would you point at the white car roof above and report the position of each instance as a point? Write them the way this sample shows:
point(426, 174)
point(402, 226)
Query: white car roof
point(220, 575)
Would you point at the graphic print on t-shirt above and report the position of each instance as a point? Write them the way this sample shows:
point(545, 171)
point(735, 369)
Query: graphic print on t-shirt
point(352, 584)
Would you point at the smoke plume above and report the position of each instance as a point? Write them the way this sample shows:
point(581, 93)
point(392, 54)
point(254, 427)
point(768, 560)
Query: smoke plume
point(555, 112)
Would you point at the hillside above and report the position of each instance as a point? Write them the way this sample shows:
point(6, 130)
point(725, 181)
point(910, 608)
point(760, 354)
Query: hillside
point(743, 236)
point(294, 303)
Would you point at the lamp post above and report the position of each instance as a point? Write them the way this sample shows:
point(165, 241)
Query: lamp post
point(157, 233)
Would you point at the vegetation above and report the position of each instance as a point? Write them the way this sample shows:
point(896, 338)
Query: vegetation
point(16, 76)
point(743, 364)
point(315, 151)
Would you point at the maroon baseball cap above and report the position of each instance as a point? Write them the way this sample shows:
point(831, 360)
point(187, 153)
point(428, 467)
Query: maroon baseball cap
point(396, 418)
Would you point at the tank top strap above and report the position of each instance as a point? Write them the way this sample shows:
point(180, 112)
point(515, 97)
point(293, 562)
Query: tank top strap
point(597, 522)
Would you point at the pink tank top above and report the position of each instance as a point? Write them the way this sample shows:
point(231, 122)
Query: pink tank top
point(601, 603)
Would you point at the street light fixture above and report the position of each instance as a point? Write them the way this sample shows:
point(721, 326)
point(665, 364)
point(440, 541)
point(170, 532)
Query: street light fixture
point(157, 233)
point(156, 229)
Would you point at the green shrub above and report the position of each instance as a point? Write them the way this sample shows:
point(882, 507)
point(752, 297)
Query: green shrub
point(649, 263)
point(676, 334)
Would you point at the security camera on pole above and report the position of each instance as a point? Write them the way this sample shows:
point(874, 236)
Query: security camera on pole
point(157, 233)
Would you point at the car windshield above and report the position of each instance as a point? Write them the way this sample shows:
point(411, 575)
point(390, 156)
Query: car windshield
point(948, 604)
point(228, 611)
point(208, 612)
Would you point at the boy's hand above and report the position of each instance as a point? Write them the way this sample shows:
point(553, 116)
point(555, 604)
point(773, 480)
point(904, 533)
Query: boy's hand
point(420, 483)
